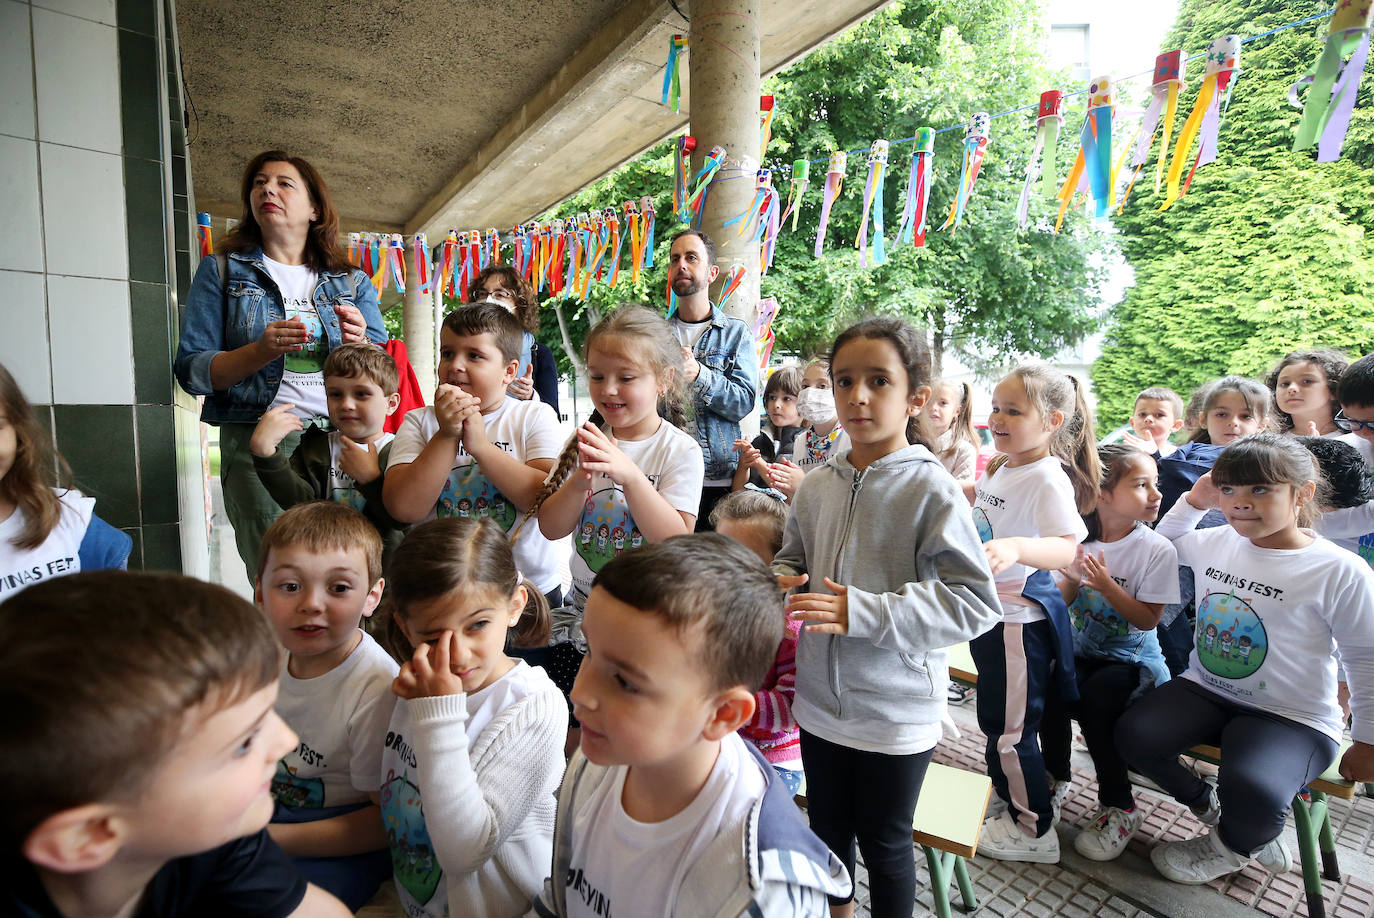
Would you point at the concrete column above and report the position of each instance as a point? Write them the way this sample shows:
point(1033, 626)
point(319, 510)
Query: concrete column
point(417, 319)
point(723, 72)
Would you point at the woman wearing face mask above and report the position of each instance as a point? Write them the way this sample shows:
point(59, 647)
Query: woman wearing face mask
point(822, 435)
point(537, 374)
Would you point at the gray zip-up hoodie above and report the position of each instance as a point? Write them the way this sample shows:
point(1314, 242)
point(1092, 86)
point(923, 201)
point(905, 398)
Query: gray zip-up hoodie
point(900, 536)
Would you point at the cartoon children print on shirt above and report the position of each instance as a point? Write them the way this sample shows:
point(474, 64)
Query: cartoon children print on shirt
point(290, 790)
point(412, 854)
point(469, 493)
point(1095, 620)
point(1230, 637)
point(607, 529)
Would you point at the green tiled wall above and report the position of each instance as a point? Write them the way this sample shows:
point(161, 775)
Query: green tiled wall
point(127, 456)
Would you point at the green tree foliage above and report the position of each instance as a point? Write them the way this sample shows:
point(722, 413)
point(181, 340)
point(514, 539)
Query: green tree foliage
point(984, 290)
point(1269, 251)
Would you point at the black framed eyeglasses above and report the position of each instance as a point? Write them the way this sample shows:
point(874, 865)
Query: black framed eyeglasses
point(1345, 423)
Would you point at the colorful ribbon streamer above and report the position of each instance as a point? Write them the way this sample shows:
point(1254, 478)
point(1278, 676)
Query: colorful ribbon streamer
point(834, 184)
point(975, 148)
point(733, 278)
point(1331, 100)
point(396, 259)
point(912, 230)
point(763, 192)
point(682, 160)
point(1092, 167)
point(1166, 84)
point(763, 330)
point(1047, 121)
point(709, 167)
point(801, 178)
point(1223, 59)
point(423, 279)
point(207, 245)
point(873, 200)
point(672, 81)
point(646, 219)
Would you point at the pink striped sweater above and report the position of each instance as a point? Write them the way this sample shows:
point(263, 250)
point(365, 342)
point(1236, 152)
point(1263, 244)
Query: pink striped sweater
point(773, 729)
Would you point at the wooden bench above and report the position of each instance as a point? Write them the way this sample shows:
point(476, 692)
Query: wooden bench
point(1313, 823)
point(948, 819)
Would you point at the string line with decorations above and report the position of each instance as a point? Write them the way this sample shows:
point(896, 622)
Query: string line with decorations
point(565, 257)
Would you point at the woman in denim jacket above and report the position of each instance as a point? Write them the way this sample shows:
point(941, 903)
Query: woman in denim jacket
point(260, 319)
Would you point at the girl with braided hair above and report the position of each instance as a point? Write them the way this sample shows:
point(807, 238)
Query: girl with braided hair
point(630, 467)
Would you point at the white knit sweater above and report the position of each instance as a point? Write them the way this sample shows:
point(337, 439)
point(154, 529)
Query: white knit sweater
point(488, 807)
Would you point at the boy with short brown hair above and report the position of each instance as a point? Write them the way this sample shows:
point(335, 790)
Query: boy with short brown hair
point(139, 750)
point(346, 464)
point(319, 576)
point(665, 810)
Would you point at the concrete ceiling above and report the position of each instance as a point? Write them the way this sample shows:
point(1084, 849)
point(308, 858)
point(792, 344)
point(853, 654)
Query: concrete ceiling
point(425, 117)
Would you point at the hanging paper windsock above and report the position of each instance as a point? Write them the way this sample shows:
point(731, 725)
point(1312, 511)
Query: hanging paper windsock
point(769, 224)
point(1047, 122)
point(635, 231)
point(355, 253)
point(1331, 100)
point(873, 200)
point(423, 281)
point(1223, 58)
point(763, 331)
point(801, 178)
point(377, 247)
point(672, 80)
point(733, 278)
point(697, 198)
point(396, 261)
point(912, 230)
point(1167, 82)
point(763, 190)
point(834, 184)
point(207, 246)
point(646, 219)
point(682, 167)
point(975, 148)
point(491, 251)
point(612, 219)
point(449, 263)
point(1092, 167)
point(765, 125)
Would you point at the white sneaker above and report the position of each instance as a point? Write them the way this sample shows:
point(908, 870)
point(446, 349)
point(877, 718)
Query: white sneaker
point(996, 807)
point(1210, 814)
point(1059, 792)
point(1003, 839)
point(1275, 856)
point(1106, 836)
point(1197, 860)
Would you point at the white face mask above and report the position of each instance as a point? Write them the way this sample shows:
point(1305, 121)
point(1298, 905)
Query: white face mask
point(816, 405)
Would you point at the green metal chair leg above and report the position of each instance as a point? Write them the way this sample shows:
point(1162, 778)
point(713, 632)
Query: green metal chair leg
point(1307, 849)
point(939, 880)
point(965, 885)
point(1331, 870)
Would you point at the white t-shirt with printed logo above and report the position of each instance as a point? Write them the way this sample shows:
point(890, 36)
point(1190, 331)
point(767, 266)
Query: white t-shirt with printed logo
point(342, 487)
point(1033, 501)
point(671, 460)
point(302, 382)
point(340, 719)
point(1269, 619)
point(622, 866)
point(527, 430)
point(56, 557)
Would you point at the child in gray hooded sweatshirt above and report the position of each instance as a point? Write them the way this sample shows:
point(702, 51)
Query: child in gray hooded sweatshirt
point(884, 534)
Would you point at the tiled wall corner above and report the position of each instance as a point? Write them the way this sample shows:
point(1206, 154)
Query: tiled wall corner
point(91, 153)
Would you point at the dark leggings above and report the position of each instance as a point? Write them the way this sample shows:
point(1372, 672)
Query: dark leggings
point(1104, 690)
point(872, 797)
point(1266, 759)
